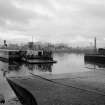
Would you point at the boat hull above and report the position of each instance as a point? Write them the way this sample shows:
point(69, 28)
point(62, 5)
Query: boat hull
point(37, 61)
point(95, 58)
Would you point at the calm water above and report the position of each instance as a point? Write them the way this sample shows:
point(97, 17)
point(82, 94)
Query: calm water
point(66, 63)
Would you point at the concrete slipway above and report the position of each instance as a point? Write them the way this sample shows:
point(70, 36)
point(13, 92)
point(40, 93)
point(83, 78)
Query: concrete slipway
point(87, 88)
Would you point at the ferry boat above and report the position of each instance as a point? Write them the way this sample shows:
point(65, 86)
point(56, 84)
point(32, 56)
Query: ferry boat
point(38, 56)
point(29, 55)
point(33, 55)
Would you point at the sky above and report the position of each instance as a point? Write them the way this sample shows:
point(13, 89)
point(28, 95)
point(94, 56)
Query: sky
point(75, 22)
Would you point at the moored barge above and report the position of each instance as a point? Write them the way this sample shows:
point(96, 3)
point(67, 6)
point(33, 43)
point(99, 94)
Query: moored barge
point(97, 56)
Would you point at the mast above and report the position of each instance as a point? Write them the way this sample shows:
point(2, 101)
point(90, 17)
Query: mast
point(95, 45)
point(32, 38)
point(32, 42)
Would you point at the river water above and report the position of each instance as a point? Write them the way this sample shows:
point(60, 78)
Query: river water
point(66, 63)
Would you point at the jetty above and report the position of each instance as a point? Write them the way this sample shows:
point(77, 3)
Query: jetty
point(10, 55)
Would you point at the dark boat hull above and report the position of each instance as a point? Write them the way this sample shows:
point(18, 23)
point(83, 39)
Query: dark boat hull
point(98, 58)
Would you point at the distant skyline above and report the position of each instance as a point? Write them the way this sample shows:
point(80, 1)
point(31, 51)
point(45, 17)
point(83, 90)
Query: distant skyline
point(75, 22)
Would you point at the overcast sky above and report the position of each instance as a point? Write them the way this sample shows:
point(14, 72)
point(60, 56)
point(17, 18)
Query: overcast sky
point(75, 22)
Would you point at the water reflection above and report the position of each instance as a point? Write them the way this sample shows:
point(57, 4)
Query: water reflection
point(94, 65)
point(41, 67)
point(14, 66)
point(11, 67)
point(8, 68)
point(66, 63)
